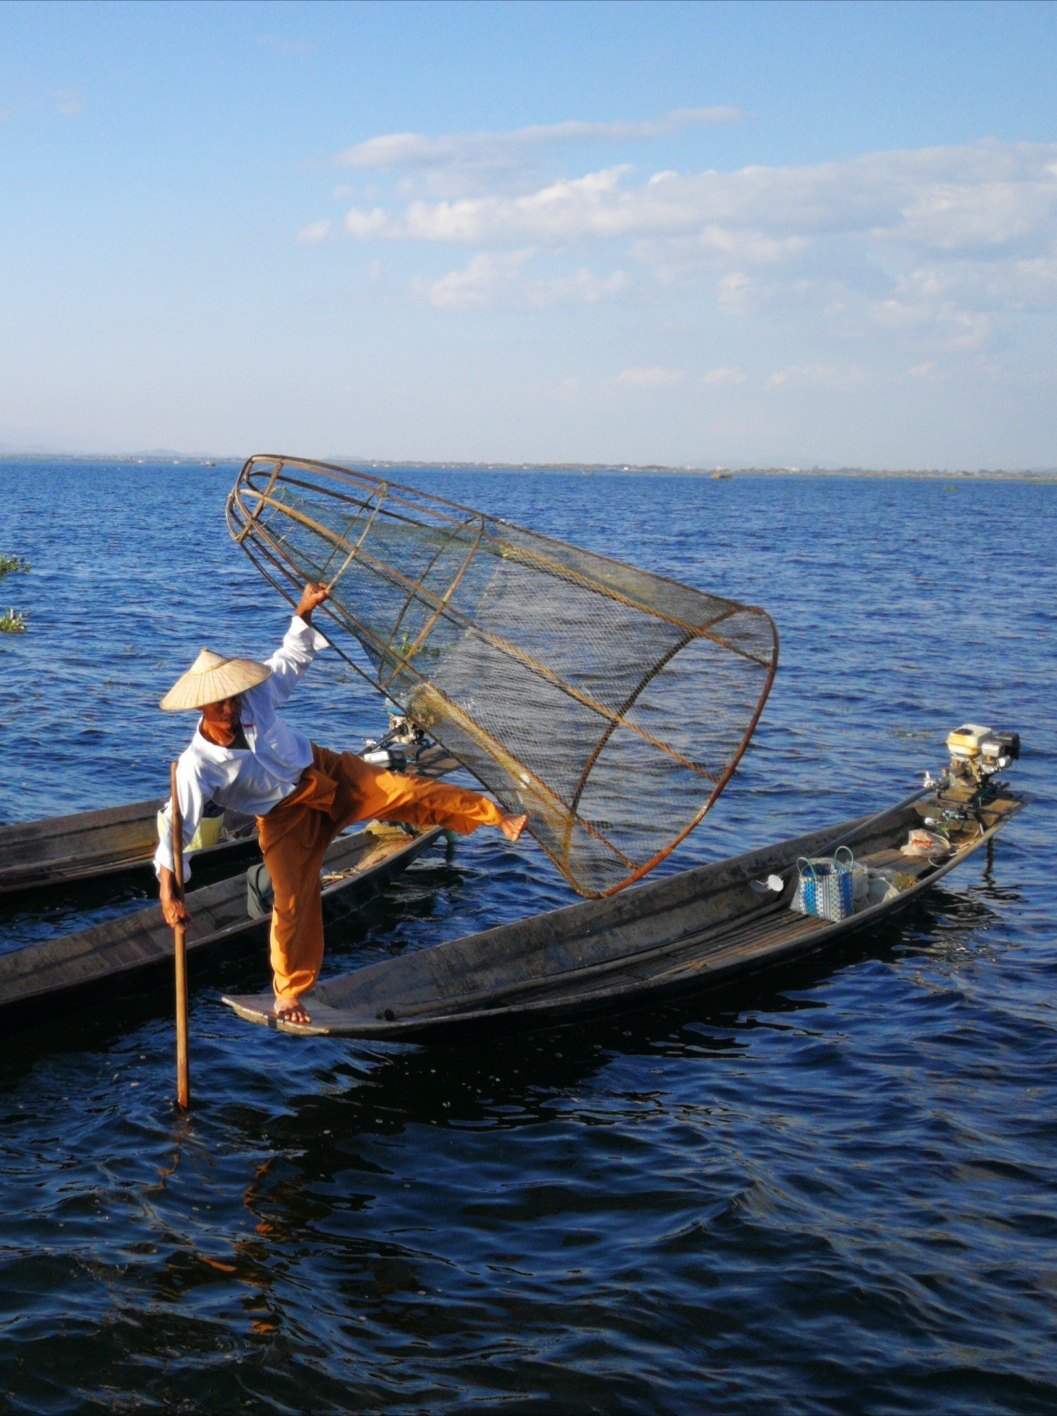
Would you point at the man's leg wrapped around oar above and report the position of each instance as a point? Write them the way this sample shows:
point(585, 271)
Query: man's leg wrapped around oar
point(336, 791)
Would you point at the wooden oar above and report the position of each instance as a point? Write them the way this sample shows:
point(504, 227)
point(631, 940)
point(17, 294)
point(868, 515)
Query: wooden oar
point(183, 1074)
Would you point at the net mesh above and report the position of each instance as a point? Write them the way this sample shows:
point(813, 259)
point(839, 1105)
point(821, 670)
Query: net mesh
point(609, 704)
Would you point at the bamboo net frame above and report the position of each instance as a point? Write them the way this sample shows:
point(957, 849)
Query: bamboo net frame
point(609, 704)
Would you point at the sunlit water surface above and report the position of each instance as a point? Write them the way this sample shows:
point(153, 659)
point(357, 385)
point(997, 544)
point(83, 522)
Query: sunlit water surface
point(830, 1191)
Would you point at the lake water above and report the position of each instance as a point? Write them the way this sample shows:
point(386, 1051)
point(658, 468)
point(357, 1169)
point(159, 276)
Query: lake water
point(831, 1191)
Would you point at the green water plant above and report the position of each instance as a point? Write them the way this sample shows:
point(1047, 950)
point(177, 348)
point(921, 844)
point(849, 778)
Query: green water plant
point(405, 647)
point(12, 622)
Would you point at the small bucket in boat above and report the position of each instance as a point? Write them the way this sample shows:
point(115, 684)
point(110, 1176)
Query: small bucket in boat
point(210, 830)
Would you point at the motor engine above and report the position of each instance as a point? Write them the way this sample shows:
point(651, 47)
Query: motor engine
point(977, 753)
point(387, 751)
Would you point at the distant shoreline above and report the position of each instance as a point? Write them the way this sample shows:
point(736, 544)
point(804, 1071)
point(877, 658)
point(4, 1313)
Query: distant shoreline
point(660, 470)
point(714, 472)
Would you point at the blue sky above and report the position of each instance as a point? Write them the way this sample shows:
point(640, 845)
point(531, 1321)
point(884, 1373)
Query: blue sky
point(691, 234)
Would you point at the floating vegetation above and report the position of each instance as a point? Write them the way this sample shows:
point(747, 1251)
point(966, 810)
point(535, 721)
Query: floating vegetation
point(12, 622)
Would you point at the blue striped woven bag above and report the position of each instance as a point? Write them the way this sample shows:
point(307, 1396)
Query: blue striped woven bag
point(825, 886)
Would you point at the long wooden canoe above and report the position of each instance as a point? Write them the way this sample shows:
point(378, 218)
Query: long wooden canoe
point(135, 951)
point(693, 931)
point(92, 845)
point(89, 845)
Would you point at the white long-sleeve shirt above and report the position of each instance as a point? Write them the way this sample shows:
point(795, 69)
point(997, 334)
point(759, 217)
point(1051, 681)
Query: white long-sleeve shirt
point(252, 782)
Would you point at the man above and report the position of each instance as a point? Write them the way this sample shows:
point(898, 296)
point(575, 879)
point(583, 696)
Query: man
point(245, 757)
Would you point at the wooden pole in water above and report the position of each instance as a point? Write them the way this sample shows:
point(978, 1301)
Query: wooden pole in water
point(183, 1073)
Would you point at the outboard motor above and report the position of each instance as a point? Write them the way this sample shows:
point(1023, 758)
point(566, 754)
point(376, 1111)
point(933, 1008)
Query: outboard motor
point(388, 751)
point(977, 753)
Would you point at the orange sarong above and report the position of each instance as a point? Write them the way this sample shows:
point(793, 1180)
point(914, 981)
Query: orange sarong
point(335, 791)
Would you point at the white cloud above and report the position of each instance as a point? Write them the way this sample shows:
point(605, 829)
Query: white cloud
point(817, 374)
point(585, 207)
point(394, 151)
point(738, 293)
point(931, 245)
point(491, 279)
point(484, 281)
point(366, 225)
point(803, 373)
point(316, 232)
point(651, 378)
point(723, 375)
point(944, 199)
point(69, 103)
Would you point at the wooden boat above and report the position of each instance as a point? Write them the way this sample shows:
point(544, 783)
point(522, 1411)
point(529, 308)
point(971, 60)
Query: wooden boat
point(696, 930)
point(93, 845)
point(135, 951)
point(90, 845)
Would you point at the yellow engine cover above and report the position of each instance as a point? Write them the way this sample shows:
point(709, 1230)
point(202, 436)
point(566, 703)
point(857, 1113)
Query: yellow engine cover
point(965, 742)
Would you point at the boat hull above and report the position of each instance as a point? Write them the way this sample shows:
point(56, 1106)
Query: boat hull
point(121, 840)
point(700, 930)
point(134, 953)
point(98, 845)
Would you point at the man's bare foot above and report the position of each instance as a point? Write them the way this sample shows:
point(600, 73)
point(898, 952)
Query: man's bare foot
point(512, 827)
point(294, 1012)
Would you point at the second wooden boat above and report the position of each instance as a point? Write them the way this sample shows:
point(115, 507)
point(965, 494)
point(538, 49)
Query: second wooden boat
point(135, 951)
point(91, 845)
point(119, 840)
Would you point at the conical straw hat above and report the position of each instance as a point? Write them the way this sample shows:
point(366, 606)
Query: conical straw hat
point(212, 677)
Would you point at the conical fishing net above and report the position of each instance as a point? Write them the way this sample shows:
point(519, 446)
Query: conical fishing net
point(609, 704)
